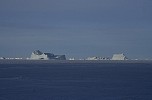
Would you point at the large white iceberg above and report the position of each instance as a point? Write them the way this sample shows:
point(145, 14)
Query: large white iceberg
point(119, 57)
point(38, 55)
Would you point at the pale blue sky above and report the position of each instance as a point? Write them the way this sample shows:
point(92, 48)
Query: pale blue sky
point(77, 28)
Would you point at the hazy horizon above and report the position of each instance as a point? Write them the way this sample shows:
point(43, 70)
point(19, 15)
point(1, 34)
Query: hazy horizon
point(76, 28)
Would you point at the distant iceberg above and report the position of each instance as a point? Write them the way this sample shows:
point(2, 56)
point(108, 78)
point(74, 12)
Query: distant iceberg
point(38, 55)
point(119, 57)
point(97, 58)
point(2, 58)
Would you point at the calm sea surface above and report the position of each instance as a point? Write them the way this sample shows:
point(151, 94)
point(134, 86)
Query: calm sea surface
point(76, 81)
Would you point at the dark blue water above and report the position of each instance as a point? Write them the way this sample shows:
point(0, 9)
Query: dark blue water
point(76, 82)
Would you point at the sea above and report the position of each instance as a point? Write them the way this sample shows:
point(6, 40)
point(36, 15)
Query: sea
point(76, 81)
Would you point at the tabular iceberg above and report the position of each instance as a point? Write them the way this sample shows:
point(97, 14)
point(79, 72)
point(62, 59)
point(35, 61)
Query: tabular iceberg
point(119, 57)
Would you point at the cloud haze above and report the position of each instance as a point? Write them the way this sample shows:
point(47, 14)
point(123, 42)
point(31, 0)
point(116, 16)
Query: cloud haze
point(77, 28)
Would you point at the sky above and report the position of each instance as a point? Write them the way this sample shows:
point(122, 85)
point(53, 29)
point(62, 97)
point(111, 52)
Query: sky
point(76, 28)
